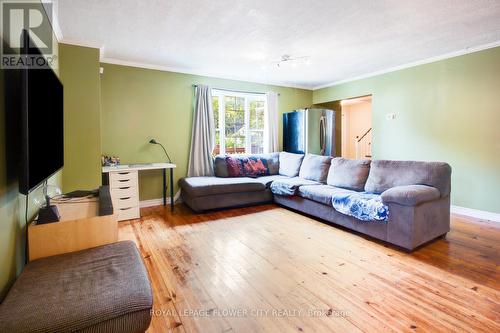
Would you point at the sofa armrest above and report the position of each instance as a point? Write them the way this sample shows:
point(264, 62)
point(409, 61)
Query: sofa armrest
point(410, 195)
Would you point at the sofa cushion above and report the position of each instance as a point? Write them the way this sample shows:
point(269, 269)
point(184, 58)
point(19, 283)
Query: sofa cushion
point(267, 180)
point(272, 160)
point(290, 186)
point(103, 289)
point(385, 174)
point(410, 195)
point(350, 174)
point(201, 186)
point(320, 193)
point(315, 167)
point(290, 164)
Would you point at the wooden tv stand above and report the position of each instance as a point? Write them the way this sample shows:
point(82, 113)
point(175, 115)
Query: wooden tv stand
point(80, 228)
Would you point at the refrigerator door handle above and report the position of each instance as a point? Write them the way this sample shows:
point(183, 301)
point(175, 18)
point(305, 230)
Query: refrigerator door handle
point(322, 134)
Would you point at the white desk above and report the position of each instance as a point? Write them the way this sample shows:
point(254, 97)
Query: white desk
point(123, 182)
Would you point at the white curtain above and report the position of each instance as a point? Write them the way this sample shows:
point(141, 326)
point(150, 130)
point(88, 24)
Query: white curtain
point(203, 134)
point(271, 143)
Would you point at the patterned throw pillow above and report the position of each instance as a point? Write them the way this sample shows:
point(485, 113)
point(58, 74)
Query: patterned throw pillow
point(234, 168)
point(243, 166)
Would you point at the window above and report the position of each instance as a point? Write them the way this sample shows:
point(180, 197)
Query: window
point(239, 122)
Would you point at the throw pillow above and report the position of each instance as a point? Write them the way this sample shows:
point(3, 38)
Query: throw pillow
point(290, 164)
point(246, 166)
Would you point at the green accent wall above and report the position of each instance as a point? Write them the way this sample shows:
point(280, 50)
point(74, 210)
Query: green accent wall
point(445, 111)
point(139, 104)
point(79, 72)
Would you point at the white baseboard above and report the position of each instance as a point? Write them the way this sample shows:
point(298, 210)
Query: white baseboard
point(158, 201)
point(476, 213)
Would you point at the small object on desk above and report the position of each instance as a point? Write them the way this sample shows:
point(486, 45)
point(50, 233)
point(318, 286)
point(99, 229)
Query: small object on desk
point(109, 160)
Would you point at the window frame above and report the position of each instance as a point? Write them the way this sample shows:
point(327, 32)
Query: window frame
point(221, 94)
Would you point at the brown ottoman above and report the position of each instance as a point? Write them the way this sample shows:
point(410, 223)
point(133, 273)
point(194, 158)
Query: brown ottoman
point(103, 289)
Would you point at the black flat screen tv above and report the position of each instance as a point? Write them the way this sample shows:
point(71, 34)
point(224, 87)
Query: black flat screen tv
point(42, 127)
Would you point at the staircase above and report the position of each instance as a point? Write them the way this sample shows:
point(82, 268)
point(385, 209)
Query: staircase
point(364, 145)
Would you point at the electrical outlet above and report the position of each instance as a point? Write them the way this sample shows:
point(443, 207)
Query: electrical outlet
point(390, 116)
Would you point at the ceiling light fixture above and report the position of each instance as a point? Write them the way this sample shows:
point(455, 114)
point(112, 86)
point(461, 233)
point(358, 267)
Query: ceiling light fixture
point(287, 59)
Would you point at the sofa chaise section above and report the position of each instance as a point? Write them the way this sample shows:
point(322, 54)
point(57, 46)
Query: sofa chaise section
point(222, 190)
point(206, 193)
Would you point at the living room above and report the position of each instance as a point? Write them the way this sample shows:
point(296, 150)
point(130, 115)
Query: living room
point(259, 166)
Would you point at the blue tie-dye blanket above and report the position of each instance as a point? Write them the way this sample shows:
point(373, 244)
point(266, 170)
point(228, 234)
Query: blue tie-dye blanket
point(363, 206)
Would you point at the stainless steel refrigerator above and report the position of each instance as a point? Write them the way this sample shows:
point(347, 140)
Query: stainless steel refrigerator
point(309, 131)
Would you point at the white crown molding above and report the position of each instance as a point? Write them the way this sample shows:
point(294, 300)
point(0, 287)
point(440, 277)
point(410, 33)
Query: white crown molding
point(475, 213)
point(114, 61)
point(159, 201)
point(90, 45)
point(413, 64)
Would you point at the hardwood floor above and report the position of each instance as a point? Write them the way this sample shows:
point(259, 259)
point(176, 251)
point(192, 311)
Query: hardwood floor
point(269, 269)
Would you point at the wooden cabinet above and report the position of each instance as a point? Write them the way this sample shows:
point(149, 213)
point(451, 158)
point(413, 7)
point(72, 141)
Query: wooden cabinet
point(80, 228)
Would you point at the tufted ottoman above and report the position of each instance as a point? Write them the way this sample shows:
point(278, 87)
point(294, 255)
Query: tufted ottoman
point(103, 289)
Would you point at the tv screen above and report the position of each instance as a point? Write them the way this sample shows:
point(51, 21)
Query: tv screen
point(41, 125)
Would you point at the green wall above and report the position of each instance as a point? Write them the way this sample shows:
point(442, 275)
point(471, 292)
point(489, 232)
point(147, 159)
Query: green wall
point(139, 104)
point(445, 111)
point(79, 71)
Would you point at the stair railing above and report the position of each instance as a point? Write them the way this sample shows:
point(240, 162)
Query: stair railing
point(363, 145)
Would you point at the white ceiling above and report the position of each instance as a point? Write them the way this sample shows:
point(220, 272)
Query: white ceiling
point(240, 39)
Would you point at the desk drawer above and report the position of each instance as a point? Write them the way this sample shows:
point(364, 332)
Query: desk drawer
point(122, 183)
point(128, 213)
point(125, 175)
point(126, 192)
point(126, 202)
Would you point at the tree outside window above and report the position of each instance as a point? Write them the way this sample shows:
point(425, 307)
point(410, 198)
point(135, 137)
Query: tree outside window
point(239, 122)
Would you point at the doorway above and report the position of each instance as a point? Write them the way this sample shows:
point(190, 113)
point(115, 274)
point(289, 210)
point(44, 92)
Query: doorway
point(356, 127)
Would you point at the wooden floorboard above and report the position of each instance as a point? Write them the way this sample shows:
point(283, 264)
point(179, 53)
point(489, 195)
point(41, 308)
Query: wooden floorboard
point(268, 269)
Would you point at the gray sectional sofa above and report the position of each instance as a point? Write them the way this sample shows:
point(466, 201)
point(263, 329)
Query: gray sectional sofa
point(405, 203)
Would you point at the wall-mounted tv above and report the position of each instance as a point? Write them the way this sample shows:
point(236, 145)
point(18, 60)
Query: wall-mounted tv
point(42, 127)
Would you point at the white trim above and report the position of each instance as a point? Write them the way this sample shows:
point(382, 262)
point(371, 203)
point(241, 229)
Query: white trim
point(413, 64)
point(114, 61)
point(476, 213)
point(91, 45)
point(158, 201)
point(153, 202)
